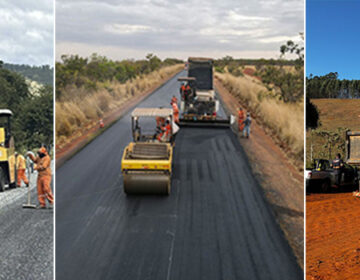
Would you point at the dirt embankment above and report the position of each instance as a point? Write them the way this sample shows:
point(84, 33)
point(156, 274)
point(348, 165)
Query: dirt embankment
point(283, 121)
point(332, 236)
point(332, 230)
point(71, 144)
point(281, 181)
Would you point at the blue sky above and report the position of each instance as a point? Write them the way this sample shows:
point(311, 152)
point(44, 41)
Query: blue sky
point(333, 38)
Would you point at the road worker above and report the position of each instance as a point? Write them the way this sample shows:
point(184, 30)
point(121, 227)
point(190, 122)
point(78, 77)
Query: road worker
point(167, 131)
point(187, 92)
point(173, 100)
point(241, 117)
point(20, 168)
point(164, 132)
point(247, 123)
point(30, 164)
point(42, 165)
point(160, 121)
point(338, 165)
point(182, 89)
point(101, 123)
point(175, 112)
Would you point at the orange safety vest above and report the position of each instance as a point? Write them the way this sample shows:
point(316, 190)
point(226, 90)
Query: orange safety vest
point(175, 108)
point(20, 162)
point(176, 112)
point(241, 116)
point(167, 130)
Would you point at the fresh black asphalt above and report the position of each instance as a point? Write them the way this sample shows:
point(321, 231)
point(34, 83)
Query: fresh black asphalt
point(215, 224)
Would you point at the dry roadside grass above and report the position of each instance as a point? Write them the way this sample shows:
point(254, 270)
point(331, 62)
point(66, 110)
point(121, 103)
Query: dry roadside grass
point(82, 109)
point(285, 120)
point(334, 114)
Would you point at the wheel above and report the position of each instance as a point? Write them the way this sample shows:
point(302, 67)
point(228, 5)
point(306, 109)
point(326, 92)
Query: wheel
point(325, 186)
point(2, 180)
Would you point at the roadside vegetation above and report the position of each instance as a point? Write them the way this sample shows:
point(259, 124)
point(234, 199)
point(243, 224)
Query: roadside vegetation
point(90, 88)
point(273, 92)
point(32, 122)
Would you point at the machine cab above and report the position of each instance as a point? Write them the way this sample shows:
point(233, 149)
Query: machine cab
point(5, 128)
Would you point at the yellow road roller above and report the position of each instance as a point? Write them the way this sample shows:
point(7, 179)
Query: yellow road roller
point(146, 162)
point(7, 151)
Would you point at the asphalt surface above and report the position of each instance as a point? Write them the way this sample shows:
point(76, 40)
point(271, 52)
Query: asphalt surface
point(214, 225)
point(26, 236)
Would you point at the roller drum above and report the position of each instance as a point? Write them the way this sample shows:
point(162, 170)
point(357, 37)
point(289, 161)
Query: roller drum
point(147, 183)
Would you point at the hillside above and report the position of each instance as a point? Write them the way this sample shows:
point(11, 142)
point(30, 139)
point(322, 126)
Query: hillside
point(336, 115)
point(41, 74)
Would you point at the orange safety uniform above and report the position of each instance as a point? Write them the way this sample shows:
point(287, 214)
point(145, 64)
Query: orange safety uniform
point(176, 112)
point(101, 123)
point(241, 117)
point(167, 131)
point(20, 168)
point(173, 100)
point(160, 121)
point(44, 177)
point(182, 89)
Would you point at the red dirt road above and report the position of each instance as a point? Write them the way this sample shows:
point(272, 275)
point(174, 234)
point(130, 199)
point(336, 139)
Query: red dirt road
point(333, 236)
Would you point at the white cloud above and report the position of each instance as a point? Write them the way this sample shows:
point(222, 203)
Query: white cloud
point(278, 39)
point(171, 27)
point(126, 28)
point(26, 32)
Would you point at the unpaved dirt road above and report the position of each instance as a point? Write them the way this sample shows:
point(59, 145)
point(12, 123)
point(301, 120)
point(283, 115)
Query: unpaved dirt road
point(215, 224)
point(333, 236)
point(26, 236)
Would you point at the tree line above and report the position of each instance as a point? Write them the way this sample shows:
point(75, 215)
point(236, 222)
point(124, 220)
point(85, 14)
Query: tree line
point(32, 121)
point(273, 73)
point(225, 61)
point(41, 74)
point(330, 86)
point(74, 70)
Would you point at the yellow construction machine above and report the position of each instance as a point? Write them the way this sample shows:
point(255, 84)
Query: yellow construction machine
point(147, 161)
point(7, 151)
